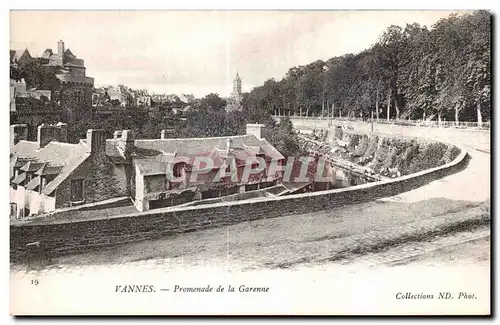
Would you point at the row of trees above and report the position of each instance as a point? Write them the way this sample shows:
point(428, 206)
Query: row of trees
point(198, 124)
point(410, 73)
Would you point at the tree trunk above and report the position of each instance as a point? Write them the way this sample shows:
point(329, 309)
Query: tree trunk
point(378, 98)
point(439, 118)
point(389, 105)
point(479, 116)
point(371, 121)
point(307, 111)
point(456, 115)
point(323, 106)
point(396, 106)
point(300, 111)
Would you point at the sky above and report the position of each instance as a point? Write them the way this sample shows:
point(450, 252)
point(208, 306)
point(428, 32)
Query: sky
point(200, 52)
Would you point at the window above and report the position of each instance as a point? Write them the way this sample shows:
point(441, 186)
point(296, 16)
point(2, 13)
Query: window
point(76, 190)
point(177, 170)
point(29, 177)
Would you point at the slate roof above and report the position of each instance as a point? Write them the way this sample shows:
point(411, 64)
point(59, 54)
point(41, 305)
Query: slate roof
point(19, 178)
point(155, 165)
point(16, 162)
point(47, 169)
point(197, 146)
point(15, 55)
point(32, 166)
point(33, 184)
point(242, 147)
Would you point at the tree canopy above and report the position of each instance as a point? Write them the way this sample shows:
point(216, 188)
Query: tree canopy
point(409, 73)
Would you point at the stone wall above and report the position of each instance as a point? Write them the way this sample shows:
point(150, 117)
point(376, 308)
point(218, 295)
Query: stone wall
point(65, 237)
point(388, 156)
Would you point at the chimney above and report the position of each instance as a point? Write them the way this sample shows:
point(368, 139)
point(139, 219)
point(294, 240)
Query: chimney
point(18, 132)
point(96, 141)
point(126, 143)
point(255, 129)
point(117, 135)
point(229, 145)
point(46, 133)
point(63, 131)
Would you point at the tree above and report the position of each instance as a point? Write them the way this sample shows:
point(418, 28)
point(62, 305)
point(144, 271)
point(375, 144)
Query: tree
point(212, 101)
point(283, 137)
point(412, 72)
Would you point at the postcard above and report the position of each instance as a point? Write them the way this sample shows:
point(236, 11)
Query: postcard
point(224, 162)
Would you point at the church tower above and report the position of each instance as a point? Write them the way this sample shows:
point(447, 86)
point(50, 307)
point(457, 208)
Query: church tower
point(237, 84)
point(234, 102)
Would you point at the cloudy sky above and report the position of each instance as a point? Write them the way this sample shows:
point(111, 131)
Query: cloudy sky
point(200, 51)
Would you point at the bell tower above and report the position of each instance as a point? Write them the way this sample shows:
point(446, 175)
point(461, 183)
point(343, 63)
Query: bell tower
point(237, 85)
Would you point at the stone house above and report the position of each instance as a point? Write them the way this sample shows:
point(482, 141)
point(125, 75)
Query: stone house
point(183, 159)
point(49, 173)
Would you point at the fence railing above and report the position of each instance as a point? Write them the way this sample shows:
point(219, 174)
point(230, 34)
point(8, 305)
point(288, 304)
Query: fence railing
point(419, 123)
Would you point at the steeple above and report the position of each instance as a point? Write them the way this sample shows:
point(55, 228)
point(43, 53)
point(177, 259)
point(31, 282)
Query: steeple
point(237, 84)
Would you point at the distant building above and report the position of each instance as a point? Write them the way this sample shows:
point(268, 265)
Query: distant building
point(186, 98)
point(31, 106)
point(142, 98)
point(75, 91)
point(76, 87)
point(17, 90)
point(234, 101)
point(40, 94)
point(49, 174)
point(20, 58)
point(122, 94)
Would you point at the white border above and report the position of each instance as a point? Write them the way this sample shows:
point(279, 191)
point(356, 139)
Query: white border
point(152, 4)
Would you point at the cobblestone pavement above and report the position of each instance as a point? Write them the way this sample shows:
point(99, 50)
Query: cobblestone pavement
point(407, 253)
point(365, 249)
